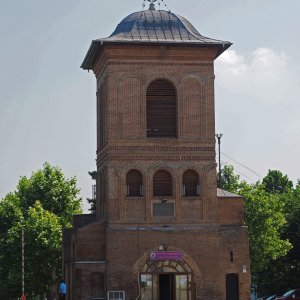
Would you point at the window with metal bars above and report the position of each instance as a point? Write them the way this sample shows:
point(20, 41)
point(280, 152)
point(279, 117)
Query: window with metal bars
point(161, 109)
point(162, 184)
point(134, 184)
point(116, 295)
point(190, 183)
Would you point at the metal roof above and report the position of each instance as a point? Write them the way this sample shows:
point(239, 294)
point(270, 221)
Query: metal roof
point(153, 27)
point(223, 193)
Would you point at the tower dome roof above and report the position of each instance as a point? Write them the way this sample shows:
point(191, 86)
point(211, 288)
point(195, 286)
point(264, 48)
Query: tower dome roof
point(157, 25)
point(153, 27)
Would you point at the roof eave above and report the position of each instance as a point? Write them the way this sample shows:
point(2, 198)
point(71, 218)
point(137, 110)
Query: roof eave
point(90, 57)
point(223, 48)
point(96, 45)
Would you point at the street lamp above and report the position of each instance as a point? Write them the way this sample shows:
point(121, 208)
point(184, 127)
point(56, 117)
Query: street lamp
point(23, 297)
point(218, 136)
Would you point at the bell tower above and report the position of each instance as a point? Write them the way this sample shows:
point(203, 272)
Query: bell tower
point(156, 127)
point(166, 230)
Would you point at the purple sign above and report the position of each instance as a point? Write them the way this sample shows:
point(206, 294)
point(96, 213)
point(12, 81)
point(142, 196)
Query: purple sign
point(165, 255)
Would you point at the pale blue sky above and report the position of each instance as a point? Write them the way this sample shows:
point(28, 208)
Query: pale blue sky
point(47, 103)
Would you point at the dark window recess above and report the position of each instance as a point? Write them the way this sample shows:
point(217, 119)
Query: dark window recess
point(161, 109)
point(134, 184)
point(162, 184)
point(97, 284)
point(190, 182)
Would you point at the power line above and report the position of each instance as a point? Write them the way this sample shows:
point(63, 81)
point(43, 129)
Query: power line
point(227, 164)
point(242, 165)
point(261, 177)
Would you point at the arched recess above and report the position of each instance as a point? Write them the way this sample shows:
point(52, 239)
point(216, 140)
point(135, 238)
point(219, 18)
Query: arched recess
point(132, 108)
point(113, 106)
point(162, 184)
point(210, 109)
point(193, 109)
point(101, 193)
point(101, 115)
point(161, 109)
point(190, 183)
point(134, 184)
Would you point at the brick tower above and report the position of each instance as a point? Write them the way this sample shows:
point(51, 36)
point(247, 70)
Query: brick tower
point(162, 229)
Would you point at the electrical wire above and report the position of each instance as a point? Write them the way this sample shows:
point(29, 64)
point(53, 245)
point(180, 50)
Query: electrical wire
point(261, 177)
point(242, 165)
point(236, 170)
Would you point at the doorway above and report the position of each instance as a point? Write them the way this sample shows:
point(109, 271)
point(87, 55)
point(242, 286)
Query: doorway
point(232, 286)
point(167, 280)
point(166, 286)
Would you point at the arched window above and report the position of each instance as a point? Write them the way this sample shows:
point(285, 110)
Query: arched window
point(162, 184)
point(134, 184)
point(190, 183)
point(161, 109)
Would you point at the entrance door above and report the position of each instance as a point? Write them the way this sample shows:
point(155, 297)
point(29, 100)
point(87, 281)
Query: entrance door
point(232, 287)
point(166, 286)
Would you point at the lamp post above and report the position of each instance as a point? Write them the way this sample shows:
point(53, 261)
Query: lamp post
point(218, 136)
point(23, 297)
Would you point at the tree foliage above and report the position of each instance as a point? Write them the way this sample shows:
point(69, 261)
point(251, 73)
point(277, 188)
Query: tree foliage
point(276, 182)
point(272, 214)
point(229, 180)
point(42, 205)
point(265, 218)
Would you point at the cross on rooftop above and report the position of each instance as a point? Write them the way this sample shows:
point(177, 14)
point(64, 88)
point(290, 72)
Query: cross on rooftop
point(152, 7)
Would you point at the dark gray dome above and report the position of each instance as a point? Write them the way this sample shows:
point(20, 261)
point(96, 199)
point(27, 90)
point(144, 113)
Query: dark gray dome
point(153, 27)
point(156, 25)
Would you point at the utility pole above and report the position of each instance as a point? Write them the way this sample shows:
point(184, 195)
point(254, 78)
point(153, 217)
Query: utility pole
point(23, 297)
point(218, 136)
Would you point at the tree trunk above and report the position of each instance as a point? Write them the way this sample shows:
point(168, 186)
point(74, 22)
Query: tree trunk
point(53, 283)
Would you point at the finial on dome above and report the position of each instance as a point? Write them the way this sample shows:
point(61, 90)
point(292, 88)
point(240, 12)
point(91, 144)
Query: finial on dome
point(152, 6)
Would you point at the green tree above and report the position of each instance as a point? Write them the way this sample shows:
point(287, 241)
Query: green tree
point(276, 182)
point(42, 204)
point(265, 216)
point(283, 273)
point(10, 258)
point(229, 180)
point(292, 233)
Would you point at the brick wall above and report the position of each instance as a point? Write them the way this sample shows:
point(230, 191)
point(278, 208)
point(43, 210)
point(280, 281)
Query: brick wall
point(207, 229)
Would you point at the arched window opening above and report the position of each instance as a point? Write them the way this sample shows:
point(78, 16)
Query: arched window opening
point(190, 183)
point(162, 184)
point(134, 184)
point(161, 109)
